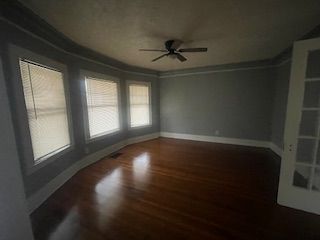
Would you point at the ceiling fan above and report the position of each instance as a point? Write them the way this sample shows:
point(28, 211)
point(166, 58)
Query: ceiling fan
point(172, 50)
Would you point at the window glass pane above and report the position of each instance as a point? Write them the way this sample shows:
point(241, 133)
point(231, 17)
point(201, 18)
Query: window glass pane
point(46, 106)
point(309, 123)
point(313, 70)
point(302, 176)
point(312, 94)
point(102, 106)
point(316, 180)
point(306, 150)
point(318, 154)
point(139, 105)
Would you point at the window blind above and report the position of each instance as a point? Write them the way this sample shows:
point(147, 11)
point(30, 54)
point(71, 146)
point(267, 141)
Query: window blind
point(102, 106)
point(139, 105)
point(45, 101)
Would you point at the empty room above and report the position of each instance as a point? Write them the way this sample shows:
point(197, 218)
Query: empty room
point(159, 120)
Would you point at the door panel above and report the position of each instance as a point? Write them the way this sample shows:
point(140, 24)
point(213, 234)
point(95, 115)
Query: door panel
point(299, 183)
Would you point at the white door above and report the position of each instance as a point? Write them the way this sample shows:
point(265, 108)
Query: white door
point(299, 185)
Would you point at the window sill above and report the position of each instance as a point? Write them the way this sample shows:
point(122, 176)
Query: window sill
point(103, 136)
point(49, 159)
point(140, 127)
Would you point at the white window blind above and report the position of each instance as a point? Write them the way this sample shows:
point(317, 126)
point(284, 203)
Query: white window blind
point(139, 104)
point(47, 111)
point(102, 106)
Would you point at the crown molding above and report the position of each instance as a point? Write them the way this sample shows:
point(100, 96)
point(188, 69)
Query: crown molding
point(264, 64)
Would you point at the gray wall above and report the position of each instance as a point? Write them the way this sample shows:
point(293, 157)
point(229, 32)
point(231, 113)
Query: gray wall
point(282, 78)
point(41, 177)
point(14, 220)
point(236, 103)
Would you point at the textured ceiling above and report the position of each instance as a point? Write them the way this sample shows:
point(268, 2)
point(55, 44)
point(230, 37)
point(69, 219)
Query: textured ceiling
point(233, 30)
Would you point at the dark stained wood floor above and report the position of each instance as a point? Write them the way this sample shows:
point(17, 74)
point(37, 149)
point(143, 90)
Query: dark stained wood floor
point(174, 189)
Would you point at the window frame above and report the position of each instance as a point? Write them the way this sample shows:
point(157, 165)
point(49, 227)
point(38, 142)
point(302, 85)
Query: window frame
point(21, 120)
point(99, 76)
point(141, 83)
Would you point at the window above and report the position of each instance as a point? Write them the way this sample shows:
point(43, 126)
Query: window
point(139, 101)
point(102, 106)
point(45, 101)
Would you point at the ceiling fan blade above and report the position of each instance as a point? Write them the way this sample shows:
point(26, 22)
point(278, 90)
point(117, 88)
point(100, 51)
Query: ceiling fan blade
point(153, 50)
point(181, 58)
point(159, 57)
point(193, 50)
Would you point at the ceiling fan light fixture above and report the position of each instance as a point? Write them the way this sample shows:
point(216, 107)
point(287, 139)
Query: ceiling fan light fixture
point(173, 51)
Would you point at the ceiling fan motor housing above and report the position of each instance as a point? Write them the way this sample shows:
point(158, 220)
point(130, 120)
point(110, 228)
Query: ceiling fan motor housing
point(168, 45)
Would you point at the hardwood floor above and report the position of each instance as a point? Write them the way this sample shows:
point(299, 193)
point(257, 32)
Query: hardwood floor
point(174, 189)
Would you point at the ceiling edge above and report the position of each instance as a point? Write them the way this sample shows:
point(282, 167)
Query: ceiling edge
point(25, 19)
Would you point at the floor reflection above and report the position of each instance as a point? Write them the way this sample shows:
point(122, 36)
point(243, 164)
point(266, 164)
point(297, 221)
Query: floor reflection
point(109, 196)
point(69, 228)
point(141, 170)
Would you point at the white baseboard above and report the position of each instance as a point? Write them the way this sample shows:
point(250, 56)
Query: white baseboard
point(34, 201)
point(277, 150)
point(234, 141)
